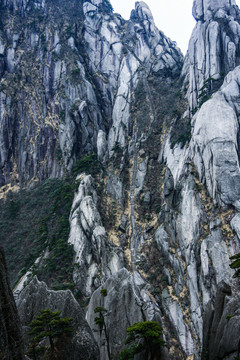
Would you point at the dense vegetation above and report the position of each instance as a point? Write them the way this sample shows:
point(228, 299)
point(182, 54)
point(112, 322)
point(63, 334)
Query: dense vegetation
point(34, 220)
point(31, 221)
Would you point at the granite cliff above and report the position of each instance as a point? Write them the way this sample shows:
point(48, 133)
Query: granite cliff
point(149, 142)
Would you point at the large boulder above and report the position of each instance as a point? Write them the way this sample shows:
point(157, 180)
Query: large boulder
point(36, 296)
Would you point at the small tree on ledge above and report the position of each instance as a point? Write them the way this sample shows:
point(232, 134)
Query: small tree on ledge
point(48, 325)
point(101, 323)
point(235, 265)
point(145, 335)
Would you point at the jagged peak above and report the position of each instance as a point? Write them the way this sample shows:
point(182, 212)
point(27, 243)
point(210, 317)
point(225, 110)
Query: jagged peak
point(21, 5)
point(142, 12)
point(205, 9)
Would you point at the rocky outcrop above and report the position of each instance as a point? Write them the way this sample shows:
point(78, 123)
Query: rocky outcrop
point(215, 142)
point(11, 342)
point(96, 257)
point(80, 83)
point(221, 325)
point(36, 296)
point(126, 302)
point(213, 48)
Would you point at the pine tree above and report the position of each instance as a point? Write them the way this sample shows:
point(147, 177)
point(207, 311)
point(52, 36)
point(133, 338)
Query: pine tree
point(235, 265)
point(145, 335)
point(100, 321)
point(49, 325)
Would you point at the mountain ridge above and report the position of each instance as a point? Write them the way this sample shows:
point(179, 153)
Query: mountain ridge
point(147, 142)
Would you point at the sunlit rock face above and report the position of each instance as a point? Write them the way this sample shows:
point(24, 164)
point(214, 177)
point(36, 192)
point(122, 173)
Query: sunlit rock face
point(213, 47)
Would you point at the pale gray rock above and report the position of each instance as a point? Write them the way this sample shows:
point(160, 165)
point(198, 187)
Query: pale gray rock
point(188, 220)
point(11, 59)
point(36, 296)
point(141, 53)
point(140, 176)
point(222, 325)
point(203, 9)
point(214, 143)
point(168, 183)
point(162, 240)
point(175, 158)
point(124, 223)
point(212, 50)
point(103, 83)
point(115, 187)
point(102, 146)
point(2, 47)
point(147, 197)
point(235, 224)
point(175, 314)
point(89, 238)
point(125, 294)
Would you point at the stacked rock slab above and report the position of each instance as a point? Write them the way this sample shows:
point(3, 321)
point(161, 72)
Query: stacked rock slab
point(213, 48)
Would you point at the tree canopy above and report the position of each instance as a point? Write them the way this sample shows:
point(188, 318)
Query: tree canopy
point(49, 325)
point(144, 335)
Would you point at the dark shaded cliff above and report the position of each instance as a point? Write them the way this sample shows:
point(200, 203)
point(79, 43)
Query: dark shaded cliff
point(11, 343)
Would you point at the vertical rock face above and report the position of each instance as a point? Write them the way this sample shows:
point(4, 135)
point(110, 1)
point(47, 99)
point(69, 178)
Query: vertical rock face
point(213, 47)
point(96, 257)
point(159, 221)
point(11, 343)
point(201, 209)
point(222, 325)
point(66, 75)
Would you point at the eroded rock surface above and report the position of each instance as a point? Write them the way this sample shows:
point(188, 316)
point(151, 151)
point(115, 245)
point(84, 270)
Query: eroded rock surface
point(11, 342)
point(36, 296)
point(161, 218)
point(221, 325)
point(94, 252)
point(127, 302)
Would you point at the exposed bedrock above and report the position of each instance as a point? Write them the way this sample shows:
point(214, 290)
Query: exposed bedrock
point(36, 296)
point(11, 341)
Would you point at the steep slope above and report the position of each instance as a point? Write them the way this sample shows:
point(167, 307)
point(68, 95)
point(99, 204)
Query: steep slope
point(155, 219)
point(66, 73)
point(11, 342)
point(201, 211)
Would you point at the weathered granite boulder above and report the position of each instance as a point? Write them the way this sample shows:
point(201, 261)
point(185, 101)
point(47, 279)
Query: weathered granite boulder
point(36, 296)
point(125, 295)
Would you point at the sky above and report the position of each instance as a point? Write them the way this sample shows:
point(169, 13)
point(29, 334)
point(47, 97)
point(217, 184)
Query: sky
point(173, 17)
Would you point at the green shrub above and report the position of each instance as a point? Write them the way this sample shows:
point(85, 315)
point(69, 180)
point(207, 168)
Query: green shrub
point(146, 335)
point(235, 265)
point(88, 164)
point(181, 132)
point(48, 325)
